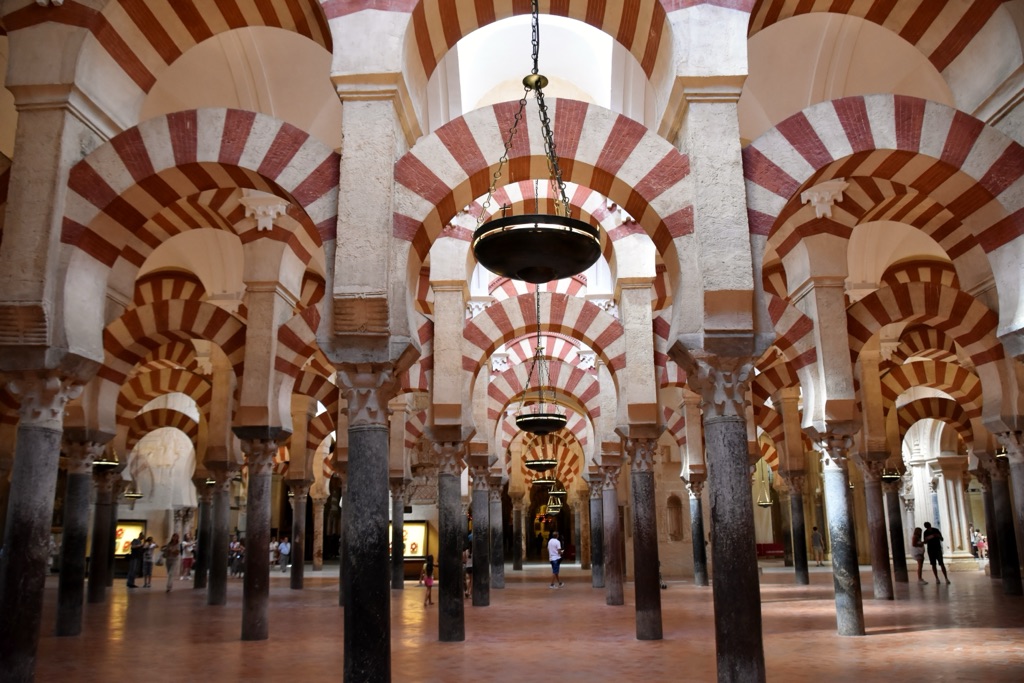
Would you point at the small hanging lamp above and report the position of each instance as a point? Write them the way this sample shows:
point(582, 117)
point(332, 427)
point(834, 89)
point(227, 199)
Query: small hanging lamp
point(541, 464)
point(537, 247)
point(539, 418)
point(764, 498)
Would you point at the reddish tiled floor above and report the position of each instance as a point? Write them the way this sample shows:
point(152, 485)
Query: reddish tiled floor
point(965, 632)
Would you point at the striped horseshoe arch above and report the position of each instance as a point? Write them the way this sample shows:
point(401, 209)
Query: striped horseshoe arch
point(675, 424)
point(599, 149)
point(933, 407)
point(920, 341)
point(170, 356)
point(955, 380)
point(144, 387)
point(151, 420)
point(940, 30)
point(564, 377)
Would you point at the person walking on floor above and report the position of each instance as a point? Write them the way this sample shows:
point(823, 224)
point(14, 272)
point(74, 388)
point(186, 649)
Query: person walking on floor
point(171, 552)
point(427, 579)
point(135, 560)
point(817, 545)
point(147, 561)
point(917, 551)
point(284, 551)
point(933, 541)
point(555, 557)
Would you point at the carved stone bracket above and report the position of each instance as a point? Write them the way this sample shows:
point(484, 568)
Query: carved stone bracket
point(367, 389)
point(42, 397)
point(641, 454)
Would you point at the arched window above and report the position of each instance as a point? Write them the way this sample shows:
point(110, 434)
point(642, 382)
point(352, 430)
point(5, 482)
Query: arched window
point(675, 518)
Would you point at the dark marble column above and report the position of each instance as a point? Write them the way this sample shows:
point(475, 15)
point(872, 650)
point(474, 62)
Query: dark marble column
point(497, 526)
point(794, 480)
point(517, 533)
point(300, 491)
point(259, 444)
point(646, 565)
point(366, 561)
point(781, 507)
point(891, 490)
point(596, 483)
point(451, 611)
point(120, 485)
point(611, 465)
point(318, 532)
point(695, 486)
point(99, 553)
point(994, 567)
point(217, 590)
point(6, 465)
point(204, 548)
point(71, 590)
point(398, 488)
point(1009, 561)
point(841, 526)
point(29, 518)
point(877, 535)
point(481, 593)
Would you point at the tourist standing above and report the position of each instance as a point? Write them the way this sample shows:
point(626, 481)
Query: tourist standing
point(427, 577)
point(818, 545)
point(135, 560)
point(147, 561)
point(933, 541)
point(171, 554)
point(555, 557)
point(917, 551)
point(284, 551)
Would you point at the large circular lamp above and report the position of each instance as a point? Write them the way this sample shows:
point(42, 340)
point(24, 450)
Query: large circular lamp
point(539, 418)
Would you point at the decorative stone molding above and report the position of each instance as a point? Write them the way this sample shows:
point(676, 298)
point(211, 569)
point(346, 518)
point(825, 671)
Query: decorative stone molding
point(43, 397)
point(641, 454)
point(892, 486)
point(367, 389)
point(264, 207)
point(823, 195)
point(381, 86)
point(499, 362)
point(450, 457)
point(475, 307)
point(609, 306)
point(723, 387)
point(361, 314)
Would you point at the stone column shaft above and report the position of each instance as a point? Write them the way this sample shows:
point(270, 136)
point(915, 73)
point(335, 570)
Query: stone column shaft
point(71, 589)
point(798, 525)
point(256, 582)
point(217, 589)
point(613, 569)
point(517, 533)
point(646, 563)
point(1009, 569)
point(204, 542)
point(880, 572)
point(318, 533)
point(700, 556)
point(845, 570)
point(896, 534)
point(397, 533)
point(301, 491)
point(99, 554)
point(596, 532)
point(992, 541)
point(481, 593)
point(451, 611)
point(497, 528)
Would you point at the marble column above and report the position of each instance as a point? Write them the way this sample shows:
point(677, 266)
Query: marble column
point(891, 490)
point(102, 539)
point(695, 486)
point(794, 481)
point(877, 534)
point(365, 557)
point(120, 485)
point(204, 542)
point(80, 452)
point(994, 566)
point(518, 542)
point(29, 517)
point(646, 565)
point(299, 500)
point(497, 524)
point(1009, 562)
point(596, 484)
point(611, 466)
point(845, 571)
point(481, 593)
point(259, 452)
point(398, 489)
point(451, 611)
point(318, 532)
point(217, 589)
point(577, 530)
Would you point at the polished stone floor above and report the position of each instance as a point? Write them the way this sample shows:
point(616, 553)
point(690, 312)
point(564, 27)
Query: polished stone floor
point(964, 632)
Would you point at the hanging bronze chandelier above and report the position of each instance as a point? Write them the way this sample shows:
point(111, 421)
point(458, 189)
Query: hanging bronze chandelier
point(535, 247)
point(539, 418)
point(541, 464)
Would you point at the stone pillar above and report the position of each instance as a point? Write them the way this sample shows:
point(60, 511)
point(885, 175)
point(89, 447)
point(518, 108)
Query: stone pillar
point(217, 590)
point(891, 489)
point(259, 453)
point(880, 573)
point(1013, 442)
point(994, 563)
point(29, 518)
point(398, 488)
point(695, 485)
point(646, 565)
point(115, 501)
point(318, 532)
point(845, 571)
point(299, 499)
point(497, 527)
point(366, 565)
point(1009, 562)
point(451, 615)
point(794, 480)
point(596, 483)
point(99, 553)
point(518, 542)
point(611, 465)
point(80, 450)
point(481, 593)
point(204, 541)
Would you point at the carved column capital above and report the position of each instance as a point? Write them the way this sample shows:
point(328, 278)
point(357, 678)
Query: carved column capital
point(610, 476)
point(494, 481)
point(79, 455)
point(984, 478)
point(641, 454)
point(595, 485)
point(450, 457)
point(204, 490)
point(695, 485)
point(872, 469)
point(399, 488)
point(105, 483)
point(367, 390)
point(222, 478)
point(259, 456)
point(892, 486)
point(835, 450)
point(722, 384)
point(300, 491)
point(517, 503)
point(794, 481)
point(42, 397)
point(1013, 442)
point(479, 475)
point(998, 469)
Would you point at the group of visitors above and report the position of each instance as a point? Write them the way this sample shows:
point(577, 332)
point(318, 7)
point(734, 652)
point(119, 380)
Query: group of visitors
point(142, 556)
point(979, 544)
point(236, 556)
point(931, 539)
point(281, 552)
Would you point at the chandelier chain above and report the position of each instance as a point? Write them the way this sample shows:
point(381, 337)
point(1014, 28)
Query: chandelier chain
point(496, 176)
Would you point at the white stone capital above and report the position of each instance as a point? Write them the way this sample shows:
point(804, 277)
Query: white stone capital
point(823, 195)
point(264, 207)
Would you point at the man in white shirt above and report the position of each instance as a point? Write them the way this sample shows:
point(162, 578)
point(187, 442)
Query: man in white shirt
point(555, 555)
point(284, 551)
